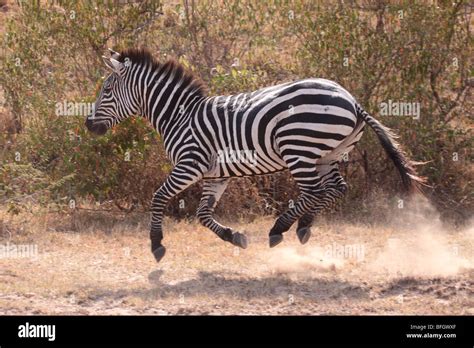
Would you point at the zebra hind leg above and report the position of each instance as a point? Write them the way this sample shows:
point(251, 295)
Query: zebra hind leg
point(307, 198)
point(310, 189)
point(334, 191)
point(212, 192)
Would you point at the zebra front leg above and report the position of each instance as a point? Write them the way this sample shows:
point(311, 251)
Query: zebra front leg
point(181, 177)
point(212, 192)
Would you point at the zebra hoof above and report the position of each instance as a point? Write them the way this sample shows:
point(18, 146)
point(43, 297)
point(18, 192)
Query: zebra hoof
point(239, 239)
point(303, 234)
point(159, 252)
point(275, 239)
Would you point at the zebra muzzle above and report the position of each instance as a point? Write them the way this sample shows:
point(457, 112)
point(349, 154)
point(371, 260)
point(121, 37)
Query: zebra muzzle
point(98, 128)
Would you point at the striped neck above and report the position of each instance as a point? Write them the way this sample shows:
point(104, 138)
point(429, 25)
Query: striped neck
point(169, 94)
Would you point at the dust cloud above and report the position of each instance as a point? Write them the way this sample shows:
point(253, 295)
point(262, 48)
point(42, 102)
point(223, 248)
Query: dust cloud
point(413, 243)
point(302, 259)
point(421, 246)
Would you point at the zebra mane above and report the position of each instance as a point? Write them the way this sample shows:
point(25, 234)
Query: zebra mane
point(142, 56)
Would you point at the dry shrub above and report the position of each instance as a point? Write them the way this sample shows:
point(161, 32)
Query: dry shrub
point(239, 47)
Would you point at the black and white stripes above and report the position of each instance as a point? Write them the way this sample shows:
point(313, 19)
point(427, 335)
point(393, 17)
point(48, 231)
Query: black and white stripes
point(306, 126)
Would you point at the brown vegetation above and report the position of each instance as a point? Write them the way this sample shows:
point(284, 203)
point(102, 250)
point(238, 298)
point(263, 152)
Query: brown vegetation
point(380, 52)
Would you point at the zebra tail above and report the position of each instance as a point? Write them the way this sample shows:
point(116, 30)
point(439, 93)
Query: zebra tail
point(412, 182)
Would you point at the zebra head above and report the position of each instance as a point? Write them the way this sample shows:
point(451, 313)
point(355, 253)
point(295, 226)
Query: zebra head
point(116, 100)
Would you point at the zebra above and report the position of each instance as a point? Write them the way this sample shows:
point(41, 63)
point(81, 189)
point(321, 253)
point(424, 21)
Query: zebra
point(305, 126)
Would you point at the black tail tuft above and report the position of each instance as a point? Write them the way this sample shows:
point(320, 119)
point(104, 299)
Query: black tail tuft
point(411, 180)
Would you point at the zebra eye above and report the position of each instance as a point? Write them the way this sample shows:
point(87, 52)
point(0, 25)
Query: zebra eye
point(108, 88)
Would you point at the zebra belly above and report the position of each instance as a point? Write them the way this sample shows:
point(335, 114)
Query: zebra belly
point(215, 175)
point(228, 163)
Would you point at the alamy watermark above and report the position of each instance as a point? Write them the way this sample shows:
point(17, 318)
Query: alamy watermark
point(346, 251)
point(14, 251)
point(400, 108)
point(237, 156)
point(68, 108)
point(28, 330)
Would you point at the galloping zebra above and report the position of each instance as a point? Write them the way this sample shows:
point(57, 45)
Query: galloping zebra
point(305, 126)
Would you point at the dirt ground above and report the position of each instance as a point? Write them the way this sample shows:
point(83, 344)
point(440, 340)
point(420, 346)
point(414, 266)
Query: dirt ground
point(403, 268)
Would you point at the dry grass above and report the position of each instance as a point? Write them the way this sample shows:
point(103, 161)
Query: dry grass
point(106, 268)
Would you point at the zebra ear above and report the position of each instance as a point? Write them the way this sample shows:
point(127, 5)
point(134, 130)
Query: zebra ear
point(112, 64)
point(113, 54)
